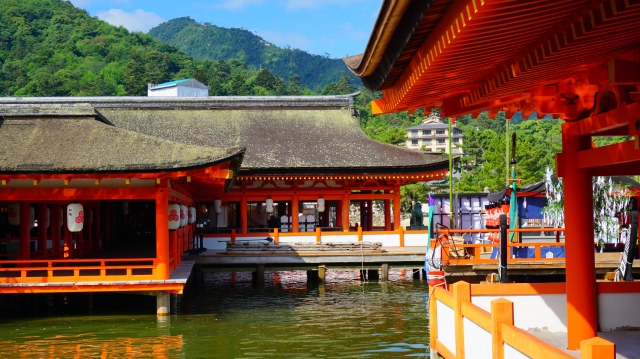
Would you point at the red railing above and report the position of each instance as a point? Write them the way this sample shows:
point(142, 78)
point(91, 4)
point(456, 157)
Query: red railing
point(77, 270)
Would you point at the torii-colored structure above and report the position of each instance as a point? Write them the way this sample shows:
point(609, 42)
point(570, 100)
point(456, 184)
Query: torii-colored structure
point(574, 59)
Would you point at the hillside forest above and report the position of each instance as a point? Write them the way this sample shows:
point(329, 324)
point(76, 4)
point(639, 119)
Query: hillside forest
point(51, 48)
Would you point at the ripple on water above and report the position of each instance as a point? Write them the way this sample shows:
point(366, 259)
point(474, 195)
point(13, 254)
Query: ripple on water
point(228, 318)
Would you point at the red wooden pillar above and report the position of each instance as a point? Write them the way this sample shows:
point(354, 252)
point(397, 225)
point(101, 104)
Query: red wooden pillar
point(363, 215)
point(42, 229)
point(69, 248)
point(295, 225)
point(339, 214)
point(244, 223)
point(25, 231)
point(162, 234)
point(173, 248)
point(345, 213)
point(396, 209)
point(56, 217)
point(582, 314)
point(387, 215)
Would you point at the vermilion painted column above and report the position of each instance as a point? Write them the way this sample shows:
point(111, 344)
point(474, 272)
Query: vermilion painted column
point(345, 214)
point(387, 215)
point(25, 231)
point(42, 229)
point(162, 234)
point(56, 216)
point(363, 215)
point(396, 208)
point(244, 223)
point(339, 214)
point(295, 225)
point(582, 319)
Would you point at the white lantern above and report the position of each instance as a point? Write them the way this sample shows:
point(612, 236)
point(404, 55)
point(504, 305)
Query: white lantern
point(192, 215)
point(75, 217)
point(124, 208)
point(269, 205)
point(14, 213)
point(217, 205)
point(320, 204)
point(259, 208)
point(183, 215)
point(48, 217)
point(174, 216)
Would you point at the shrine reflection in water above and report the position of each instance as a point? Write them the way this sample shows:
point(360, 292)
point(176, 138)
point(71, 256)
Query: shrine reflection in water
point(228, 318)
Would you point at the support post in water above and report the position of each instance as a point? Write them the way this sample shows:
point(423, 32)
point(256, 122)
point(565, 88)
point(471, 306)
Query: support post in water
point(502, 264)
point(162, 304)
point(322, 271)
point(384, 272)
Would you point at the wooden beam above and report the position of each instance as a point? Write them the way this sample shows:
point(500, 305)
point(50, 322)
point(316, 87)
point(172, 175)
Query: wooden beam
point(607, 121)
point(618, 153)
point(86, 194)
point(623, 72)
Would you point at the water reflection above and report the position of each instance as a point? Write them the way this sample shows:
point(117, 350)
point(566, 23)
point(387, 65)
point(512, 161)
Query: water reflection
point(228, 318)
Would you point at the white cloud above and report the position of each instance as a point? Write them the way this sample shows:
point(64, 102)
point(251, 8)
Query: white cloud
point(137, 20)
point(281, 39)
point(235, 5)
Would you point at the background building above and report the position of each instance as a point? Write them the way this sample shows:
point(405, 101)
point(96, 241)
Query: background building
point(179, 88)
point(433, 134)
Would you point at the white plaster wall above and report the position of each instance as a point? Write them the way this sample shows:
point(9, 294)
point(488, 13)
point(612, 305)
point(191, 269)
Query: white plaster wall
point(446, 326)
point(184, 91)
point(416, 240)
point(297, 239)
point(512, 353)
point(477, 341)
point(618, 310)
point(533, 312)
point(388, 240)
point(339, 239)
point(168, 91)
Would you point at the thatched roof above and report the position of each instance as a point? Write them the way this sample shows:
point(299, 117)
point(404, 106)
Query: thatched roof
point(280, 141)
point(82, 144)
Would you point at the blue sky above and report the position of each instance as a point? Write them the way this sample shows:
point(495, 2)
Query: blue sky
point(336, 27)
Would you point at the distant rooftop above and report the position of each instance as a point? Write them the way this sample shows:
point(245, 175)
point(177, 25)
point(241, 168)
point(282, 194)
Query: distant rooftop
point(168, 84)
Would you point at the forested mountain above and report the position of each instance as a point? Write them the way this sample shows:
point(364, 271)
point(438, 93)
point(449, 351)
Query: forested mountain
point(50, 48)
point(210, 42)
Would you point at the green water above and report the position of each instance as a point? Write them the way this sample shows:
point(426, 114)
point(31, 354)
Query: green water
point(227, 318)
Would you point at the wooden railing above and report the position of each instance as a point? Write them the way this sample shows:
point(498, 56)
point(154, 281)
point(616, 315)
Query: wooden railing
point(76, 270)
point(463, 336)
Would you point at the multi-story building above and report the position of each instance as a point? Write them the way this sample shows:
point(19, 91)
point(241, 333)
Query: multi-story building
point(433, 136)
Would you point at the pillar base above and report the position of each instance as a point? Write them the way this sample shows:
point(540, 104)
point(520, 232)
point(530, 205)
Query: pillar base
point(163, 304)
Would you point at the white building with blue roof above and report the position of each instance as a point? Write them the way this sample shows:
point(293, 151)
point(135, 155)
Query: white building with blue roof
point(178, 88)
point(433, 136)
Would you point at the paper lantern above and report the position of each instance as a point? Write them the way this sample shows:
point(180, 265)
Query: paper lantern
point(269, 205)
point(75, 217)
point(217, 205)
point(124, 208)
point(184, 213)
point(192, 215)
point(14, 213)
point(320, 204)
point(174, 216)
